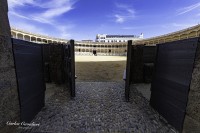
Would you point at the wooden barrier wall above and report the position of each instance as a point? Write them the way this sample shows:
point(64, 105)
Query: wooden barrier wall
point(175, 88)
point(59, 62)
point(140, 65)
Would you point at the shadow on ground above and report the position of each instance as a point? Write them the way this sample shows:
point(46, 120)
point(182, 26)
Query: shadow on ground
point(100, 71)
point(99, 107)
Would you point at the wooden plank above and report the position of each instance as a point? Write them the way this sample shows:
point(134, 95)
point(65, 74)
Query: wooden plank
point(128, 71)
point(172, 77)
point(137, 64)
point(72, 56)
point(30, 78)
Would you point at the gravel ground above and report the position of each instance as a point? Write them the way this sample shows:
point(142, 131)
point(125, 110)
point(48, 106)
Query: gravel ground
point(144, 89)
point(99, 107)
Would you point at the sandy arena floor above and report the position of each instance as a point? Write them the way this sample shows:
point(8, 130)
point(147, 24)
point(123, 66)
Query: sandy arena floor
point(100, 68)
point(99, 58)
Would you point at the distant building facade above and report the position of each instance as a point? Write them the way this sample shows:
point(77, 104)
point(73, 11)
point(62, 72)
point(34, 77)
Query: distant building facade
point(117, 38)
point(87, 40)
point(100, 48)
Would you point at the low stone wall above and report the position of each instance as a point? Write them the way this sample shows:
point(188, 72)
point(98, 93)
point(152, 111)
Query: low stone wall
point(9, 102)
point(192, 120)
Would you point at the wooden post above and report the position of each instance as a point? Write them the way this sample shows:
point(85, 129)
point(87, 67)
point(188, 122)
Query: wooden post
point(73, 93)
point(128, 71)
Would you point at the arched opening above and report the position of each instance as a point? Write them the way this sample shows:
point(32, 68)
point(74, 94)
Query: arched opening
point(87, 50)
point(49, 41)
point(175, 38)
point(94, 52)
point(44, 40)
point(27, 38)
point(183, 36)
point(20, 36)
point(39, 40)
point(13, 34)
point(192, 34)
point(33, 39)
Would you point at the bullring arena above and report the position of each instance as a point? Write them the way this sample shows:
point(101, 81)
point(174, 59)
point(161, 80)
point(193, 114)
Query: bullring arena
point(100, 68)
point(146, 85)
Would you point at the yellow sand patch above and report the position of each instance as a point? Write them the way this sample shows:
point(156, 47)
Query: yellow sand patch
point(100, 68)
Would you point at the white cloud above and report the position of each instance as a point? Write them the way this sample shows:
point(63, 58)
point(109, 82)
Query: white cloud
point(42, 12)
point(182, 25)
point(19, 15)
point(16, 3)
point(29, 28)
point(56, 8)
point(64, 31)
point(130, 28)
point(198, 14)
point(188, 9)
point(42, 20)
point(178, 25)
point(31, 17)
point(50, 13)
point(119, 18)
point(51, 9)
point(123, 13)
point(65, 35)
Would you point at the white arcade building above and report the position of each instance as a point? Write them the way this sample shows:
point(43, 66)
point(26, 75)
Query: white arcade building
point(117, 38)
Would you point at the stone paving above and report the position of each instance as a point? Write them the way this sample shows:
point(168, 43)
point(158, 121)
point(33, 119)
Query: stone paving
point(99, 107)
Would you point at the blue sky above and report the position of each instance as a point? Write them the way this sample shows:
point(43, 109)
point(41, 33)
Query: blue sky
point(83, 19)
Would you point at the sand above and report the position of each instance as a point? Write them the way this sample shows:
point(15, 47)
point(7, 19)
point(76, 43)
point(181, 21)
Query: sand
point(100, 68)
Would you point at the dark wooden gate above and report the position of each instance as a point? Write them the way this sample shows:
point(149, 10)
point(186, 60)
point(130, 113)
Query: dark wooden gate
point(139, 65)
point(172, 77)
point(69, 60)
point(30, 78)
point(128, 71)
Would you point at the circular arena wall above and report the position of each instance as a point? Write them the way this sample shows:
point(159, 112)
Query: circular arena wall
point(102, 48)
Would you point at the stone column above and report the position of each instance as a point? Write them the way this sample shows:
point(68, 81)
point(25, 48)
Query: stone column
point(9, 101)
point(31, 40)
point(114, 50)
point(111, 48)
point(16, 35)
